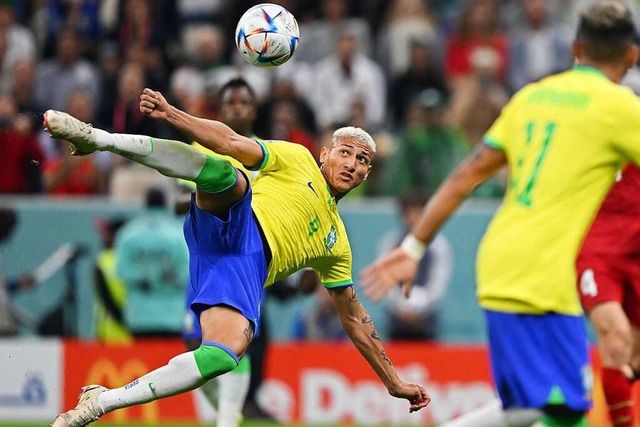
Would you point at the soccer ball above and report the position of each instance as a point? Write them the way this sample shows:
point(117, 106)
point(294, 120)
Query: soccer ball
point(267, 35)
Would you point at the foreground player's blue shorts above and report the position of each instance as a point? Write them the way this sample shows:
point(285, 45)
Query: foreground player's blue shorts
point(191, 326)
point(540, 360)
point(227, 264)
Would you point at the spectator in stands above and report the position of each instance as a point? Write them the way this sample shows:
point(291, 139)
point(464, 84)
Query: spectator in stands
point(23, 84)
point(416, 317)
point(65, 174)
point(66, 73)
point(20, 154)
point(477, 39)
point(322, 34)
point(345, 75)
point(286, 125)
point(110, 290)
point(538, 48)
point(290, 83)
point(424, 72)
point(406, 21)
point(318, 321)
point(428, 148)
point(152, 260)
point(18, 41)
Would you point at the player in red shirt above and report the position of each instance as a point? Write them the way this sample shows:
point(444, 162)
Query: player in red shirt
point(609, 286)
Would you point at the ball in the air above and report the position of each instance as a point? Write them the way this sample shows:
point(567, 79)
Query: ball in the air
point(267, 35)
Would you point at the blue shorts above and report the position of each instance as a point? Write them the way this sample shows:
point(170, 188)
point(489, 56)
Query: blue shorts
point(227, 264)
point(540, 360)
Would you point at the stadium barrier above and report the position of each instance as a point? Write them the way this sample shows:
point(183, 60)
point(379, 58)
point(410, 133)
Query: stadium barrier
point(319, 383)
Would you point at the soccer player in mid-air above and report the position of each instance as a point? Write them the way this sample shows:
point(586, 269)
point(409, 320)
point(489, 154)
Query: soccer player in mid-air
point(242, 237)
point(609, 286)
point(564, 138)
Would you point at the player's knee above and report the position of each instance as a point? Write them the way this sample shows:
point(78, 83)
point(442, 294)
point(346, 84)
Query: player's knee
point(217, 175)
point(215, 359)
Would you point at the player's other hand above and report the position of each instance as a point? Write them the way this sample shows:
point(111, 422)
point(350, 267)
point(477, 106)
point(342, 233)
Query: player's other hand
point(414, 393)
point(153, 104)
point(397, 267)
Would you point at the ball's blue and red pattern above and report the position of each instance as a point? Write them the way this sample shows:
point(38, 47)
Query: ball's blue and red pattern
point(267, 35)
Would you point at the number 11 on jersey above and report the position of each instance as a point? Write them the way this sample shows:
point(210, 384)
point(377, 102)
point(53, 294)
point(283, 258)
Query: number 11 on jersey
point(523, 193)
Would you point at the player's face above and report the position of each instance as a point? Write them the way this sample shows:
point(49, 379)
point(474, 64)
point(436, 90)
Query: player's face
point(346, 164)
point(238, 109)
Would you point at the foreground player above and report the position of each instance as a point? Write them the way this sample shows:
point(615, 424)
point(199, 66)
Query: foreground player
point(564, 138)
point(609, 286)
point(242, 237)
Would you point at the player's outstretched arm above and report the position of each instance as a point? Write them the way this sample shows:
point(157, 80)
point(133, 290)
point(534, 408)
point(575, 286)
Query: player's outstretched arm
point(212, 134)
point(360, 328)
point(401, 264)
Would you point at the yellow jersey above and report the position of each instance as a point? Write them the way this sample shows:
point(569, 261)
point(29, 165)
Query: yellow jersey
point(565, 138)
point(299, 217)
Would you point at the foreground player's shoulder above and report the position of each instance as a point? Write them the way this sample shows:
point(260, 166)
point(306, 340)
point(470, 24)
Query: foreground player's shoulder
point(280, 154)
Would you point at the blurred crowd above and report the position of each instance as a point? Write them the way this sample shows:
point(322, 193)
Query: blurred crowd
point(425, 77)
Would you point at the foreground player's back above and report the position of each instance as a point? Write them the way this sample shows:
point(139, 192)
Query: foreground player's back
point(565, 138)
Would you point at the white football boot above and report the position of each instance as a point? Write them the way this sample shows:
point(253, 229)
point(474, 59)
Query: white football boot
point(86, 411)
point(64, 126)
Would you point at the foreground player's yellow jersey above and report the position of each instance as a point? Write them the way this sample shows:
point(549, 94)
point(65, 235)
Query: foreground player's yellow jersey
point(565, 138)
point(299, 216)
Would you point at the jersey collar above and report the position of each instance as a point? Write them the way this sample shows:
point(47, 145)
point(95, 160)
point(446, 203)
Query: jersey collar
point(589, 70)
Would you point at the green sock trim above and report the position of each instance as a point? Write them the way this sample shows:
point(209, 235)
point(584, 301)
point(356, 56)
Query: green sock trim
point(217, 175)
point(214, 359)
point(568, 421)
point(244, 367)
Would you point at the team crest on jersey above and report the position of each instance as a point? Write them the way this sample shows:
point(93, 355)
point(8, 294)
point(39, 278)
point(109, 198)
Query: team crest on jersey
point(330, 240)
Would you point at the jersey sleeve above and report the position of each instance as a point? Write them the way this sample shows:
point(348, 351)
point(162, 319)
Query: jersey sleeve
point(280, 155)
point(627, 137)
point(501, 131)
point(337, 272)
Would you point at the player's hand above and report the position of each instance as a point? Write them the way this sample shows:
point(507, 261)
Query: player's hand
point(153, 104)
point(397, 267)
point(414, 393)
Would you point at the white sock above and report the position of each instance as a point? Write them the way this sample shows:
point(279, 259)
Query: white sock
point(171, 158)
point(487, 415)
point(210, 391)
point(180, 375)
point(232, 392)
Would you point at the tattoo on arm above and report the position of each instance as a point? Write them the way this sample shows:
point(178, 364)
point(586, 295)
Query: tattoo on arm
point(248, 333)
point(354, 297)
point(385, 357)
point(367, 319)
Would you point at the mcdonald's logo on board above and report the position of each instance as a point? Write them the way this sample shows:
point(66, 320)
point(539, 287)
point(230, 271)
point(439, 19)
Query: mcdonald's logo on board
point(117, 365)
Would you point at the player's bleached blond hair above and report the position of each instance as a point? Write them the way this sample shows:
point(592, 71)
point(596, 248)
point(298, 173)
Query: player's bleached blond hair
point(354, 132)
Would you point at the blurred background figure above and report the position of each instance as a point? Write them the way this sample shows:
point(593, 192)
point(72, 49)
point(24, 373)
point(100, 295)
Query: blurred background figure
point(65, 174)
point(110, 290)
point(318, 320)
point(406, 22)
point(345, 75)
point(152, 260)
point(65, 73)
point(428, 147)
point(538, 48)
point(20, 153)
point(323, 33)
point(416, 317)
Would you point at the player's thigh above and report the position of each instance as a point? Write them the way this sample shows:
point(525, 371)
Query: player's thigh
point(635, 348)
point(226, 325)
point(219, 203)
